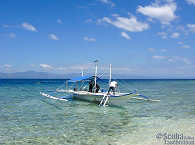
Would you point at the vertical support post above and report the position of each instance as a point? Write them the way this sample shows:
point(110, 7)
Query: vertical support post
point(95, 79)
point(110, 74)
point(82, 73)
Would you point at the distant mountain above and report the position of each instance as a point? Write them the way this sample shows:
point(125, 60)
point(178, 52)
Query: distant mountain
point(46, 75)
point(35, 75)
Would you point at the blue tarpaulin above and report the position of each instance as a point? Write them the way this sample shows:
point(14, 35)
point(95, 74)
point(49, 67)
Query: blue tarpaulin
point(77, 79)
point(81, 78)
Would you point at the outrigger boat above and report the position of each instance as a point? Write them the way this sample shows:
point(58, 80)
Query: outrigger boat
point(101, 97)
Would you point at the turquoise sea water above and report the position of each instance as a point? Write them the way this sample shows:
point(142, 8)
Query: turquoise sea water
point(28, 118)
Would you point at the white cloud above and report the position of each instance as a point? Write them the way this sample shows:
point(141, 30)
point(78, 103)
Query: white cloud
point(12, 35)
point(156, 56)
point(180, 42)
point(175, 35)
point(108, 2)
point(191, 2)
point(115, 15)
point(173, 59)
point(53, 37)
point(191, 27)
point(183, 45)
point(89, 39)
point(99, 21)
point(186, 46)
point(7, 67)
point(46, 66)
point(186, 61)
point(164, 13)
point(29, 27)
point(59, 21)
point(159, 57)
point(104, 1)
point(61, 68)
point(179, 59)
point(151, 49)
point(121, 69)
point(125, 35)
point(72, 68)
point(163, 35)
point(129, 24)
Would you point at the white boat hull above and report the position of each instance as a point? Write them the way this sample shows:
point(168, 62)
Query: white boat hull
point(118, 99)
point(97, 97)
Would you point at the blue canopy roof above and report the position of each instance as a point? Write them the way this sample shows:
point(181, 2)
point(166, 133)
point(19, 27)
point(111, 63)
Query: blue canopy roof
point(81, 78)
point(77, 79)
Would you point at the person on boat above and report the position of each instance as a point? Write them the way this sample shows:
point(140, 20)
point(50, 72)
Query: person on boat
point(112, 86)
point(91, 84)
point(97, 88)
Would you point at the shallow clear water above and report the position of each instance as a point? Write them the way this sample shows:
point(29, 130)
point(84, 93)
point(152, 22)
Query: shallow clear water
point(28, 118)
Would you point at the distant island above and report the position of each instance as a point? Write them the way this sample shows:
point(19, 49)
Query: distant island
point(46, 75)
